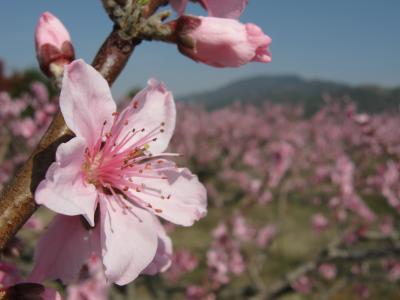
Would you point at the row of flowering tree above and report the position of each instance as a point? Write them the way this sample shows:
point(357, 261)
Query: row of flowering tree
point(296, 205)
point(105, 173)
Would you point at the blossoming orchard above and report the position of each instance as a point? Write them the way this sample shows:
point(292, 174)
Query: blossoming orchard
point(153, 198)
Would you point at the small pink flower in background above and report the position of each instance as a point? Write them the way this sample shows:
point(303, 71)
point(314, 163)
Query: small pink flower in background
point(241, 229)
point(198, 293)
point(25, 128)
point(319, 222)
point(302, 285)
point(34, 223)
point(40, 92)
point(328, 271)
point(265, 236)
point(222, 42)
point(111, 181)
point(215, 8)
point(265, 198)
point(52, 42)
point(94, 286)
point(387, 225)
point(362, 291)
point(394, 273)
point(182, 262)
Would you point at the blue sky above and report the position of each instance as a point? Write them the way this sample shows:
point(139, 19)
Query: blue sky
point(354, 41)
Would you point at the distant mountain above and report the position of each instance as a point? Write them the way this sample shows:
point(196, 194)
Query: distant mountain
point(296, 90)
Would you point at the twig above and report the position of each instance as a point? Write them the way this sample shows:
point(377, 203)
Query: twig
point(16, 200)
point(327, 256)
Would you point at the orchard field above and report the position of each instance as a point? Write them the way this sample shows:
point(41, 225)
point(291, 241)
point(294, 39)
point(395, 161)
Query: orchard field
point(298, 207)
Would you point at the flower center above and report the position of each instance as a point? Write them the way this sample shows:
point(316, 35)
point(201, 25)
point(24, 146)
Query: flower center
point(90, 169)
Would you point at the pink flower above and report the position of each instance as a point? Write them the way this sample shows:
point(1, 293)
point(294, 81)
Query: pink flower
point(34, 223)
point(225, 9)
point(328, 271)
point(94, 286)
point(182, 262)
point(194, 292)
point(222, 42)
point(52, 42)
point(265, 235)
point(215, 8)
point(303, 285)
point(319, 222)
point(115, 175)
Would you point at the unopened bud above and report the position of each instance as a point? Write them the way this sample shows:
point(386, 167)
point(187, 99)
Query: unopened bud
point(221, 42)
point(53, 44)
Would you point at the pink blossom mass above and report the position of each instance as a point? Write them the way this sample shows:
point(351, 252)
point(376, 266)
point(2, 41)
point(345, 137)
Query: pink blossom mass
point(111, 182)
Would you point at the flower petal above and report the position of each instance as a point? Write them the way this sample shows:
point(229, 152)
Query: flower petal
point(226, 8)
point(152, 109)
point(179, 198)
point(128, 238)
point(86, 101)
point(64, 190)
point(64, 248)
point(179, 5)
point(162, 260)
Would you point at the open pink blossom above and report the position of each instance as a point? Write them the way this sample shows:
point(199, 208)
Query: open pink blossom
point(113, 174)
point(222, 42)
point(215, 8)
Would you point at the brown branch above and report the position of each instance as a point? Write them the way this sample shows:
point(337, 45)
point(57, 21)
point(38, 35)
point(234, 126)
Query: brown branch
point(16, 200)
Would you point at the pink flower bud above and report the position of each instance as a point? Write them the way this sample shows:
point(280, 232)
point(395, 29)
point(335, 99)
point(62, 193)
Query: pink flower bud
point(222, 42)
point(215, 8)
point(52, 42)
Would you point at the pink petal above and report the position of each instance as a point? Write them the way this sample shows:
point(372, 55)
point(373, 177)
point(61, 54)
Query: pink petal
point(162, 260)
point(129, 240)
point(86, 101)
point(225, 8)
point(180, 199)
point(179, 5)
point(64, 190)
point(50, 294)
point(150, 108)
point(63, 249)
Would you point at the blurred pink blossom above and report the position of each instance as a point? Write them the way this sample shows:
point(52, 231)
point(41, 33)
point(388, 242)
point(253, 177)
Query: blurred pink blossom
point(328, 271)
point(303, 285)
point(319, 222)
point(265, 235)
